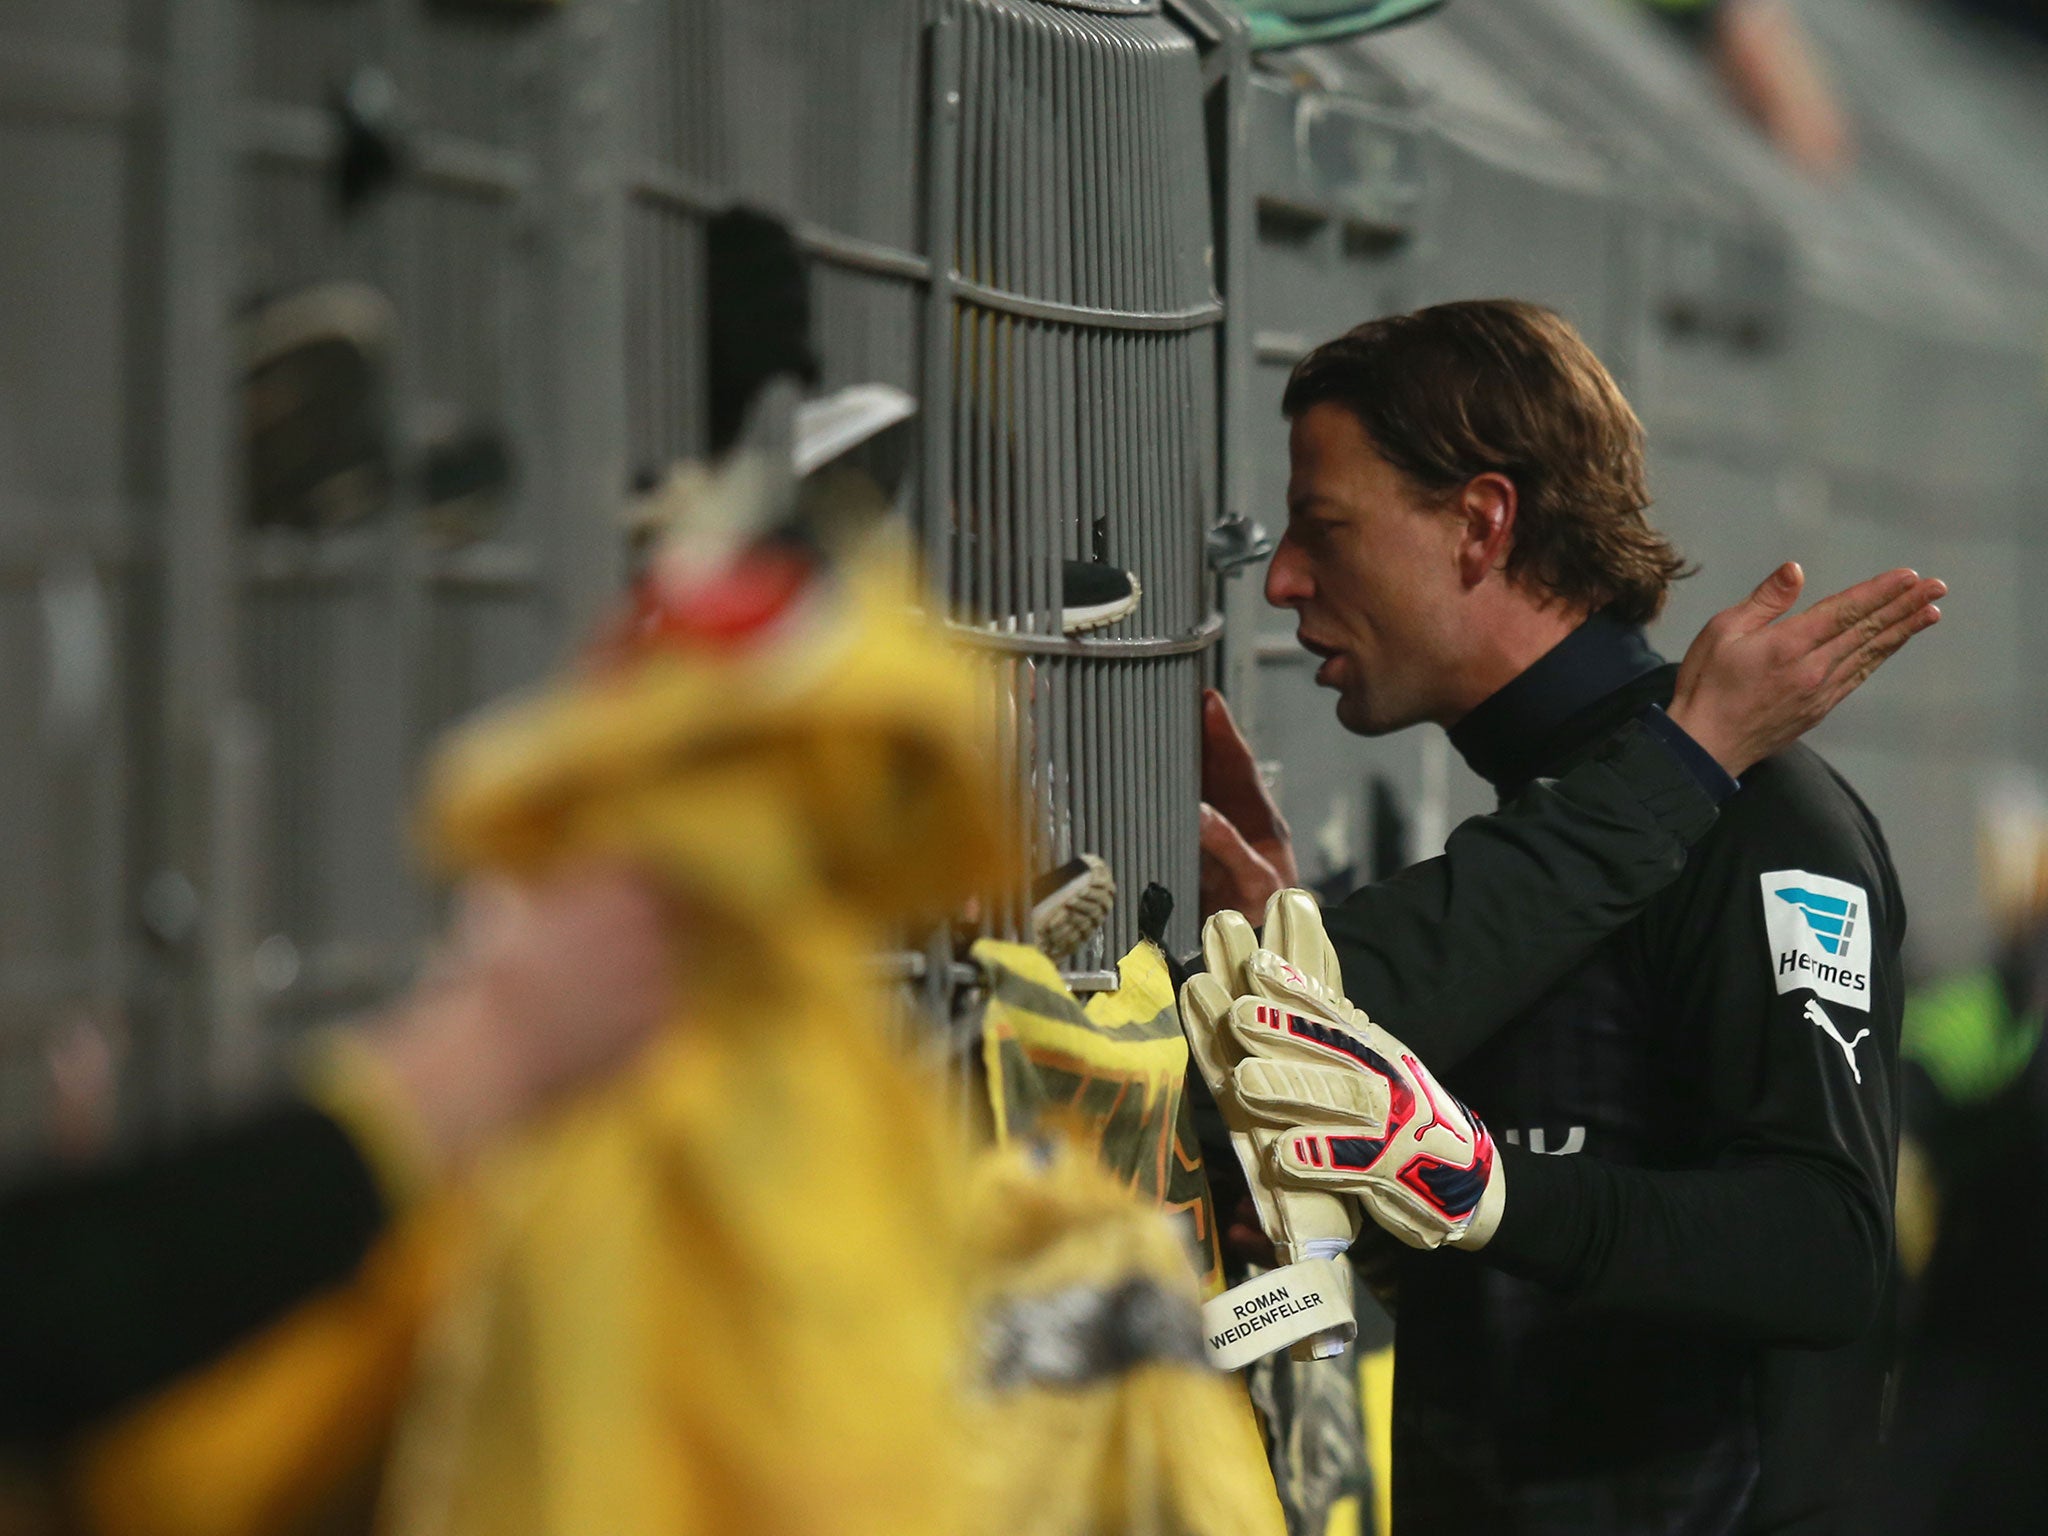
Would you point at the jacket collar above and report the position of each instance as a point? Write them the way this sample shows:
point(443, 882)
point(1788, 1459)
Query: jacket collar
point(1552, 708)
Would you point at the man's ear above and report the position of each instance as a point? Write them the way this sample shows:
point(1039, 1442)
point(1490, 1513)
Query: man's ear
point(1485, 507)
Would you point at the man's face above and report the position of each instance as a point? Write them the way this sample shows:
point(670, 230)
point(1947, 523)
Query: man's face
point(1370, 570)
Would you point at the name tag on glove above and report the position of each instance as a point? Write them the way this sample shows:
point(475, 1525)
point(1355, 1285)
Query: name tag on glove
point(1280, 1308)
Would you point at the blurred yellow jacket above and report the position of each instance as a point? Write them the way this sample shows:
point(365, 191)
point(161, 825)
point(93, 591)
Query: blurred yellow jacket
point(726, 1292)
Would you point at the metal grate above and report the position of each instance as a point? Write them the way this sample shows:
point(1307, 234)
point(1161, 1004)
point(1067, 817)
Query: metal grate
point(1071, 348)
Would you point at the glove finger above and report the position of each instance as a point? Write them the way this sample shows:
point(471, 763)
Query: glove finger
point(1289, 1093)
point(1336, 1157)
point(1204, 1019)
point(1304, 1217)
point(1260, 1028)
point(1227, 943)
point(1277, 979)
point(1294, 931)
point(1332, 1157)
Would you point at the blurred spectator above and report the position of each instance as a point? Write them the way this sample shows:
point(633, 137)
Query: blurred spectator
point(1771, 68)
point(114, 1281)
point(1971, 1419)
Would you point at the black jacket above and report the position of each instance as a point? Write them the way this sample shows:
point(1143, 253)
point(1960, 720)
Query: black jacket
point(1677, 1326)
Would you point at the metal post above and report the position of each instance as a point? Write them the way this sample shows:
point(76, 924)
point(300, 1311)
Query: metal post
point(585, 182)
point(193, 829)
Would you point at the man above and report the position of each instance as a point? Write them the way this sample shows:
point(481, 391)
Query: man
point(1669, 1320)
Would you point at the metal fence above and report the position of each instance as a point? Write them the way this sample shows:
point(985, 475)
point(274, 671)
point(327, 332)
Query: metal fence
point(1006, 206)
point(1070, 386)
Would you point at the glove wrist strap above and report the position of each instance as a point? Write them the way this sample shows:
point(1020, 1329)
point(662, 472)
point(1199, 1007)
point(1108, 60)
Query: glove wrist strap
point(1281, 1307)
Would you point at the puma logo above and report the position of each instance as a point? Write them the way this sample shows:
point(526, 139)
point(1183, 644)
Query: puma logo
point(1818, 1017)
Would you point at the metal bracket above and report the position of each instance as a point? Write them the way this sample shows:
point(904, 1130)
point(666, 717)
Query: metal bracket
point(1237, 541)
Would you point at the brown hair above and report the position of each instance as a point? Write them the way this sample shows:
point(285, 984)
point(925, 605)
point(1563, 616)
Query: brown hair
point(1497, 385)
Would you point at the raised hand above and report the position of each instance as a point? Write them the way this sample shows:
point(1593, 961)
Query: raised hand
point(1753, 682)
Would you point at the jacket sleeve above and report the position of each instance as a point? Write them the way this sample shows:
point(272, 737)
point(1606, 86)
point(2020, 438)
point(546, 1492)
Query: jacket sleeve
point(114, 1282)
point(1448, 950)
point(1777, 968)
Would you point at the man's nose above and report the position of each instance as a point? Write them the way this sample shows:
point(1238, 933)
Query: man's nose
point(1287, 577)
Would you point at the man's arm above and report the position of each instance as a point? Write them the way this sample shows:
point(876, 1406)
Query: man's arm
point(1779, 962)
point(117, 1280)
point(1444, 951)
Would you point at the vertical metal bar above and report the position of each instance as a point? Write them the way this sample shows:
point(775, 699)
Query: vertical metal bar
point(1154, 155)
point(1012, 464)
point(952, 514)
point(1134, 36)
point(1045, 507)
point(1176, 529)
point(199, 493)
point(1161, 517)
point(1041, 501)
point(979, 509)
point(1065, 108)
point(1044, 503)
point(691, 361)
point(936, 386)
point(1189, 744)
point(1008, 689)
point(420, 236)
point(1114, 231)
point(1167, 534)
point(1003, 94)
point(1068, 109)
point(1101, 727)
point(1108, 166)
point(1161, 714)
point(1138, 690)
point(1131, 794)
point(1181, 793)
point(1018, 242)
point(1095, 188)
point(1086, 776)
point(589, 468)
point(1145, 729)
point(680, 430)
point(1082, 781)
point(1140, 513)
point(1198, 372)
point(1087, 680)
point(984, 102)
point(1128, 530)
point(1003, 100)
point(1130, 44)
point(1237, 485)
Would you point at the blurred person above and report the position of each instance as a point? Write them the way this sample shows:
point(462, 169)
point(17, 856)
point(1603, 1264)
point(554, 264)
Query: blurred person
point(625, 1321)
point(1973, 1212)
point(114, 1281)
point(1651, 1298)
point(1771, 67)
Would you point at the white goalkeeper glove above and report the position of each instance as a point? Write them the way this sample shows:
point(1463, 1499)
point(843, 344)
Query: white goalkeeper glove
point(1336, 1103)
point(1310, 1231)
